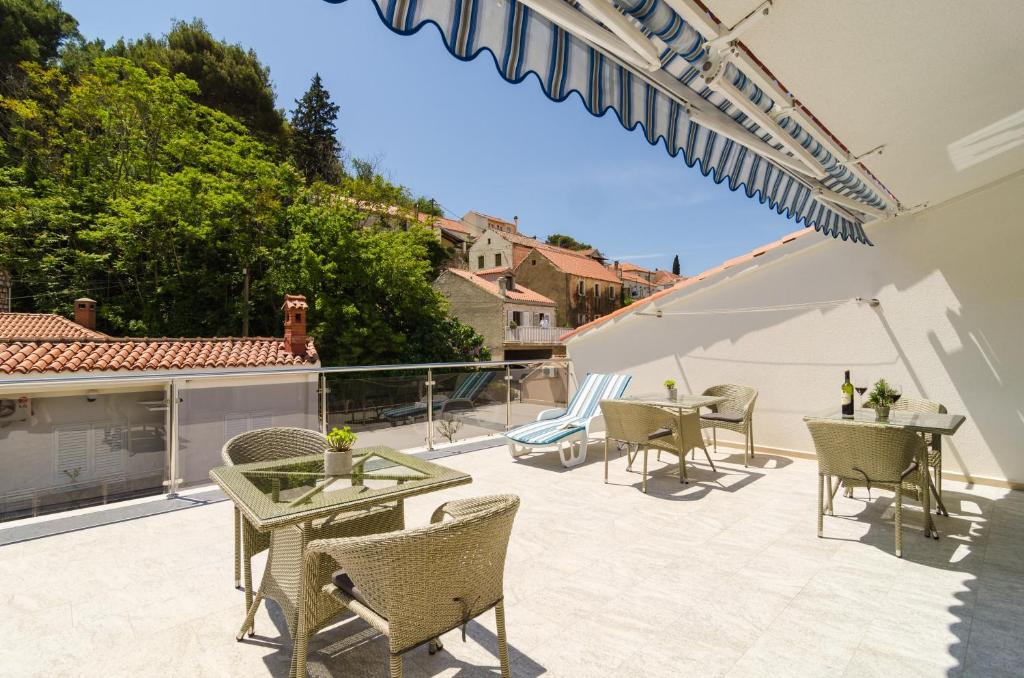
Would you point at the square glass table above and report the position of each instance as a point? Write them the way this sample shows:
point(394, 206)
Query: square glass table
point(681, 402)
point(918, 422)
point(273, 494)
point(295, 501)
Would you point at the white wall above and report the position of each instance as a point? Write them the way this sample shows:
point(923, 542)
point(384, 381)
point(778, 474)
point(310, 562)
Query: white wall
point(950, 328)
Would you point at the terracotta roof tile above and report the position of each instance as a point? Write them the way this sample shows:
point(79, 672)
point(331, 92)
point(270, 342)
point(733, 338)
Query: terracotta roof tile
point(44, 325)
point(521, 295)
point(568, 261)
point(42, 356)
point(685, 282)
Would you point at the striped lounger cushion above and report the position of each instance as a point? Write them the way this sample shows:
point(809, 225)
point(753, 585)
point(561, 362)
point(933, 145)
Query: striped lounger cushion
point(582, 408)
point(467, 390)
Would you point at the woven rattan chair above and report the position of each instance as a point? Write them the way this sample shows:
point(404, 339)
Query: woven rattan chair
point(649, 427)
point(417, 584)
point(934, 442)
point(736, 413)
point(265, 444)
point(867, 455)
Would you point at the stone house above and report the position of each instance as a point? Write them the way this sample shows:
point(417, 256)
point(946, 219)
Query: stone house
point(515, 321)
point(580, 286)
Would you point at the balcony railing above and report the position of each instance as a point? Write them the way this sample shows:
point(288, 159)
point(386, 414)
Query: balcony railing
point(535, 335)
point(82, 439)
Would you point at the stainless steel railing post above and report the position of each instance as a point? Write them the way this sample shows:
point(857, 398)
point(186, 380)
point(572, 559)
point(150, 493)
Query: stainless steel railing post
point(323, 403)
point(430, 409)
point(173, 481)
point(508, 397)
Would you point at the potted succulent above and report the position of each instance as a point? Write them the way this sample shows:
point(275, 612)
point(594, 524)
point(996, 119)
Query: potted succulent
point(670, 384)
point(881, 398)
point(338, 456)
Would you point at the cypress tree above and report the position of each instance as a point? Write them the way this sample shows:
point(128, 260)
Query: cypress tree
point(315, 146)
point(675, 265)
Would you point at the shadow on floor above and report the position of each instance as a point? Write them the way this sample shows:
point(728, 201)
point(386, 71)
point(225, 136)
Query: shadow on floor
point(352, 648)
point(977, 541)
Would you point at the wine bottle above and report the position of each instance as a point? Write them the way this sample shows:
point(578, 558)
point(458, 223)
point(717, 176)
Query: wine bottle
point(847, 397)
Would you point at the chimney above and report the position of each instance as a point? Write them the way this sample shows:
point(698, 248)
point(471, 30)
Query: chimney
point(503, 286)
point(515, 219)
point(295, 309)
point(85, 313)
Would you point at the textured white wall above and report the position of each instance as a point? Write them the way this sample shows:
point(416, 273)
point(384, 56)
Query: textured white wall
point(950, 328)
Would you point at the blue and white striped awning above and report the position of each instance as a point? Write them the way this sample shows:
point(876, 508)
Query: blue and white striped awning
point(673, 104)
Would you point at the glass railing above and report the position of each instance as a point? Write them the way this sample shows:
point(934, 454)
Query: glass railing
point(81, 440)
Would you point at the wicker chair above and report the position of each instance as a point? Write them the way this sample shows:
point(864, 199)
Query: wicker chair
point(650, 427)
point(265, 444)
point(735, 414)
point(417, 584)
point(865, 454)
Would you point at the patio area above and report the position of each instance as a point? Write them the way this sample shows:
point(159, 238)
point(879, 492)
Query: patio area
point(723, 576)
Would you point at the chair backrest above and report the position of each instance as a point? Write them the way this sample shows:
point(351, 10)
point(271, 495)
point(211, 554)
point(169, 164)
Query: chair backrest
point(428, 580)
point(269, 444)
point(919, 405)
point(849, 449)
point(595, 388)
point(472, 385)
point(635, 422)
point(738, 398)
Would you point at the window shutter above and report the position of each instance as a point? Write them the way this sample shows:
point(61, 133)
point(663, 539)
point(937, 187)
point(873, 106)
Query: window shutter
point(108, 450)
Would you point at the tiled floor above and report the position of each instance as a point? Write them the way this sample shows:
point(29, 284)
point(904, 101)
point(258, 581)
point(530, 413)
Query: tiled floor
point(720, 577)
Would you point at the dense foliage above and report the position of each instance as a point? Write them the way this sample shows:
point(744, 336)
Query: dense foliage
point(118, 182)
point(567, 241)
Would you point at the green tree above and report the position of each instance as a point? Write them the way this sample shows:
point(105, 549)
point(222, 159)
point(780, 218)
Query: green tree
point(231, 79)
point(567, 241)
point(675, 265)
point(315, 146)
point(373, 300)
point(32, 30)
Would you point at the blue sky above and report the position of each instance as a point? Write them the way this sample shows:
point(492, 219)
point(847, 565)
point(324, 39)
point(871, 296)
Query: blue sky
point(457, 132)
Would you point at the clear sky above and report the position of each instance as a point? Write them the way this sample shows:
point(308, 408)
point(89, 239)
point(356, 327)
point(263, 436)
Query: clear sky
point(458, 133)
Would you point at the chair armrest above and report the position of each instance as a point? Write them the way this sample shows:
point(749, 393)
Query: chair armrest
point(465, 507)
point(550, 414)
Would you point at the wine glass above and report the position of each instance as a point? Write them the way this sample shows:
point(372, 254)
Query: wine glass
point(861, 390)
point(897, 393)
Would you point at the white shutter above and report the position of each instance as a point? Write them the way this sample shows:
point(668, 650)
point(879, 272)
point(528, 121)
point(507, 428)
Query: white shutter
point(109, 450)
point(72, 450)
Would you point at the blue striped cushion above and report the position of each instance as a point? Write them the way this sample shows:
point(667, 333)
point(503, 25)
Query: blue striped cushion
point(581, 409)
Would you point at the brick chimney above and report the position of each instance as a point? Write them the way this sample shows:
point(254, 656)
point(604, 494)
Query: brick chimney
point(85, 313)
point(295, 309)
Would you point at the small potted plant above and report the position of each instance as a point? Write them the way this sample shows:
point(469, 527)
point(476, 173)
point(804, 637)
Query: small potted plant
point(670, 384)
point(338, 457)
point(881, 398)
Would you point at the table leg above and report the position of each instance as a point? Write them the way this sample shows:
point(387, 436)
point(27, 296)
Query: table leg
point(940, 507)
point(924, 483)
point(300, 643)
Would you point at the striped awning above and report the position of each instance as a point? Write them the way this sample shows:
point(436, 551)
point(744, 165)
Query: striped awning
point(670, 100)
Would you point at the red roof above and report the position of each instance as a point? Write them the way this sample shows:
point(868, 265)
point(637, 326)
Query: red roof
point(568, 261)
point(450, 224)
point(109, 355)
point(484, 272)
point(626, 266)
point(519, 295)
point(31, 325)
point(686, 282)
point(636, 278)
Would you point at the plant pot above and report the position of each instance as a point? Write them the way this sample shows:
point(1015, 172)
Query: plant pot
point(673, 394)
point(337, 462)
point(881, 412)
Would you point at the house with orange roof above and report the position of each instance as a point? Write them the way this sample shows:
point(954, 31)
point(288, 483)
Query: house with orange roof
point(580, 286)
point(515, 321)
point(74, 439)
point(478, 222)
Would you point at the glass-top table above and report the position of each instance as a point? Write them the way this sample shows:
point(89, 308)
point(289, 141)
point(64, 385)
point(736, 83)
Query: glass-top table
point(290, 491)
point(685, 401)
